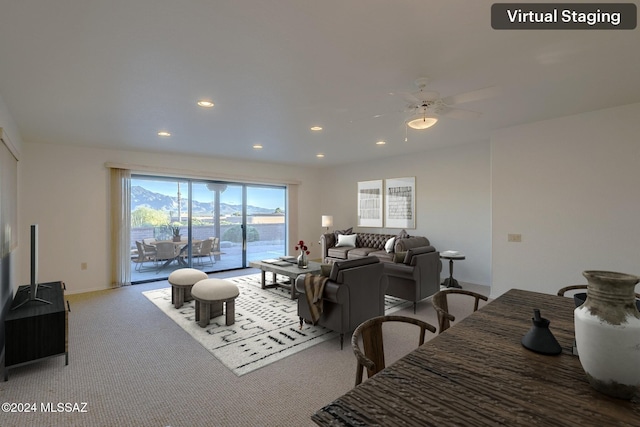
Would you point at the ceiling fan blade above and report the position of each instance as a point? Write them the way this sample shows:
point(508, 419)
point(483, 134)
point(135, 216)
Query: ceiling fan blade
point(457, 113)
point(409, 97)
point(474, 95)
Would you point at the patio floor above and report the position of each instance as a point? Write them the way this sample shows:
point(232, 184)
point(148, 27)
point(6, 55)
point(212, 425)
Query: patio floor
point(231, 259)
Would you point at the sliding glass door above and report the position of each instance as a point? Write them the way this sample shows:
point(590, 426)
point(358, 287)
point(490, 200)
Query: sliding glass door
point(207, 225)
point(266, 222)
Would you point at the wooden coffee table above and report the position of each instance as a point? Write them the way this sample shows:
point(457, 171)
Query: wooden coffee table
point(289, 270)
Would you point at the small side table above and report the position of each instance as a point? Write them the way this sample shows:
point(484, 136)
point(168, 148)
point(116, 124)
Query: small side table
point(450, 282)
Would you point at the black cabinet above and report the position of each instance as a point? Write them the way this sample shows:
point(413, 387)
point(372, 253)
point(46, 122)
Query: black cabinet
point(36, 330)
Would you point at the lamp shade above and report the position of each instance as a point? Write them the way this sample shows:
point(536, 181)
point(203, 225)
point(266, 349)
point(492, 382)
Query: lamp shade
point(327, 220)
point(422, 121)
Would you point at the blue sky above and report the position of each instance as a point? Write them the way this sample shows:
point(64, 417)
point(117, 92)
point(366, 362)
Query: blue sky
point(264, 197)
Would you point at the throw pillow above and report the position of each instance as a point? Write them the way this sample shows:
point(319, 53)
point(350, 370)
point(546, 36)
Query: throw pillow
point(389, 245)
point(325, 269)
point(346, 240)
point(402, 235)
point(345, 231)
point(398, 257)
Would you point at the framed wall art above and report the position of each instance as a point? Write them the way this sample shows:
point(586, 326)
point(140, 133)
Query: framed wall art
point(400, 202)
point(370, 203)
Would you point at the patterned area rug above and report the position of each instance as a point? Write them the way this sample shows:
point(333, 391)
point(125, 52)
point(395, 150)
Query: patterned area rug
point(266, 327)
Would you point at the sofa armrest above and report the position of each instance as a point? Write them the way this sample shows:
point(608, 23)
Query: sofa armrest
point(333, 292)
point(327, 240)
point(403, 245)
point(399, 270)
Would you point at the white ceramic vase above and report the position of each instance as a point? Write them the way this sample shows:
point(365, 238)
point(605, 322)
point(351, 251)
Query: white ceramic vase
point(607, 328)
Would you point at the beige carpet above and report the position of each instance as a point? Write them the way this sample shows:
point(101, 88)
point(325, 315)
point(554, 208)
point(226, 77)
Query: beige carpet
point(136, 367)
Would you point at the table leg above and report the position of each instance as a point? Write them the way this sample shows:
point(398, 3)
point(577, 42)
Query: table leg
point(293, 287)
point(450, 282)
point(262, 279)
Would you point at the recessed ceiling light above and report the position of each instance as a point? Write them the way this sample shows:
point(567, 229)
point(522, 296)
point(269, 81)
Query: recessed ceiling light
point(257, 146)
point(163, 133)
point(316, 128)
point(319, 155)
point(205, 103)
point(380, 143)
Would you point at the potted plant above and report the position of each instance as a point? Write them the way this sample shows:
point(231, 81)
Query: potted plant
point(175, 231)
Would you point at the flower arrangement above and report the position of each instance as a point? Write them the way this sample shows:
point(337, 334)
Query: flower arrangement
point(302, 247)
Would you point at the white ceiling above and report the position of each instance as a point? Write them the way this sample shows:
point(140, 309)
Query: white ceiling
point(113, 73)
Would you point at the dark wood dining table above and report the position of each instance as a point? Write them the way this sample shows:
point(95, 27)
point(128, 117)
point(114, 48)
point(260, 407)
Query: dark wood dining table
point(477, 373)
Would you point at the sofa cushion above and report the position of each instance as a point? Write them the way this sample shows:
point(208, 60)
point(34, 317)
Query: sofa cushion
point(339, 253)
point(417, 251)
point(382, 255)
point(399, 256)
point(402, 235)
point(390, 245)
point(346, 240)
point(338, 266)
point(360, 252)
point(345, 231)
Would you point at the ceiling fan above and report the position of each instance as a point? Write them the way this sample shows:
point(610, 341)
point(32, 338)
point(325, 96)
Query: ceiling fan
point(427, 106)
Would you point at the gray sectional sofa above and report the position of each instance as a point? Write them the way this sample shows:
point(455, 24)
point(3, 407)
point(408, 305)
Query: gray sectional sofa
point(412, 266)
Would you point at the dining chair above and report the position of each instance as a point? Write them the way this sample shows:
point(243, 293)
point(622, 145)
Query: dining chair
point(371, 333)
point(203, 249)
point(441, 305)
point(143, 256)
point(566, 289)
point(580, 297)
point(215, 248)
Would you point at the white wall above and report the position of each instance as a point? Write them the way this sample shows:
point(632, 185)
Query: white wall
point(65, 189)
point(571, 187)
point(452, 201)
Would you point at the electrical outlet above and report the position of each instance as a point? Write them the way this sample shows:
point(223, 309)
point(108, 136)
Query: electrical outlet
point(514, 238)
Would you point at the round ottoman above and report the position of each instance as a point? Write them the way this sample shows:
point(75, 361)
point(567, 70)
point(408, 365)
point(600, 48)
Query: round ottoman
point(210, 295)
point(181, 281)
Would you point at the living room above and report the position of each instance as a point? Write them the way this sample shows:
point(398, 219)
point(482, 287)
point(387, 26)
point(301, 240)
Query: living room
point(567, 183)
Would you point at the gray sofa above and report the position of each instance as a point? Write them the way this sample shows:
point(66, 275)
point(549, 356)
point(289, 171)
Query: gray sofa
point(367, 244)
point(353, 293)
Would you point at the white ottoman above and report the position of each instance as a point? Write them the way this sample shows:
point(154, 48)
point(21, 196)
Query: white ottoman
point(210, 294)
point(181, 282)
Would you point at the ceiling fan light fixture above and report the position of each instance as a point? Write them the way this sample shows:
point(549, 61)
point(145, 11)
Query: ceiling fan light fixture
point(421, 121)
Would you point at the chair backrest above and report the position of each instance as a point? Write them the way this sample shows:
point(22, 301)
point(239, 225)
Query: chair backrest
point(215, 247)
point(140, 251)
point(566, 289)
point(441, 305)
point(148, 249)
point(373, 344)
point(165, 250)
point(206, 246)
point(562, 291)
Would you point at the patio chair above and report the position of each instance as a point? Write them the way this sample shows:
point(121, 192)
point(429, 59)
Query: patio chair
point(165, 251)
point(215, 248)
point(143, 256)
point(202, 250)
